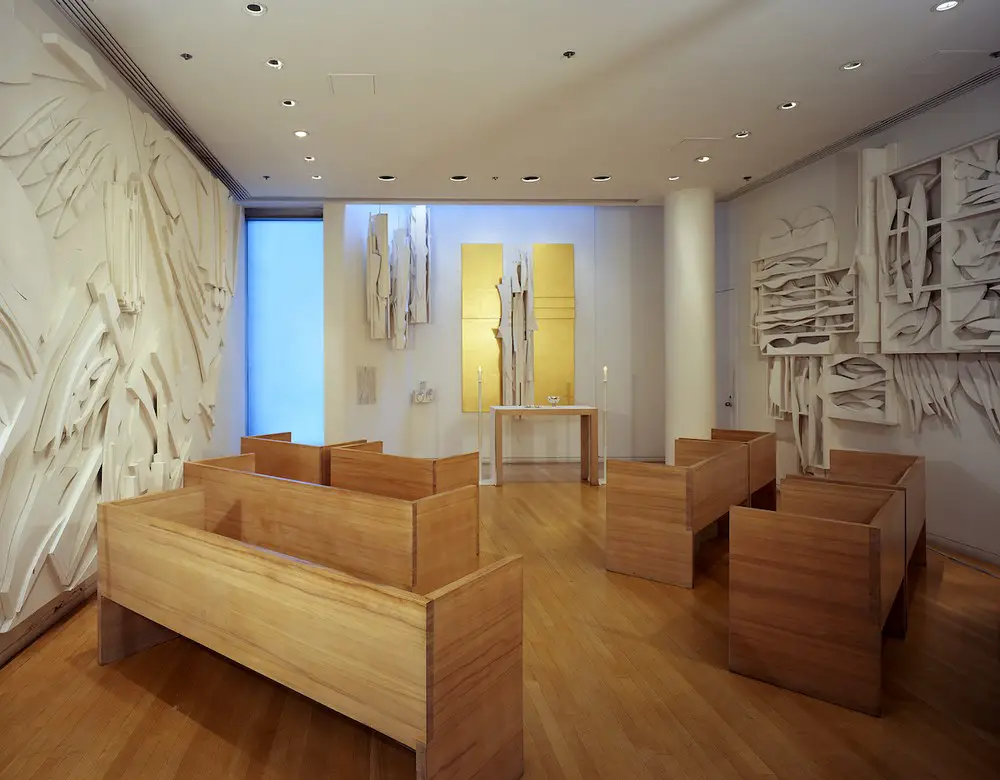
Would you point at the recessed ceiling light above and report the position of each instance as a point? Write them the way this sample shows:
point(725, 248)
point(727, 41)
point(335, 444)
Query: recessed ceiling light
point(186, 56)
point(947, 6)
point(530, 179)
point(309, 158)
point(255, 9)
point(703, 158)
point(742, 134)
point(788, 106)
point(387, 177)
point(317, 176)
point(301, 133)
point(602, 177)
point(459, 177)
point(673, 178)
point(275, 63)
point(288, 103)
point(852, 65)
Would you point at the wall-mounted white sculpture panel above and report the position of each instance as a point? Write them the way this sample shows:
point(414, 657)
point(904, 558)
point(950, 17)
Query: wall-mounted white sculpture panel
point(803, 299)
point(517, 328)
point(397, 275)
point(117, 266)
point(859, 387)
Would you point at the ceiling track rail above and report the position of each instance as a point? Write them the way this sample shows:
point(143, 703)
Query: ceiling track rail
point(80, 15)
point(867, 132)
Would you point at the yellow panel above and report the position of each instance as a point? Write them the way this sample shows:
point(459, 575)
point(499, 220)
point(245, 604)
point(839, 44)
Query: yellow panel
point(553, 268)
point(480, 348)
point(554, 364)
point(482, 268)
point(555, 309)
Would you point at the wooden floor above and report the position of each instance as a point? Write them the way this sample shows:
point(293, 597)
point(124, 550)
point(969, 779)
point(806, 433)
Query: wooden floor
point(624, 679)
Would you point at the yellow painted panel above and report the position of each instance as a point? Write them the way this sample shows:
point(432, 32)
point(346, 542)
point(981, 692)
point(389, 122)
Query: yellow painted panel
point(554, 360)
point(553, 268)
point(555, 309)
point(482, 268)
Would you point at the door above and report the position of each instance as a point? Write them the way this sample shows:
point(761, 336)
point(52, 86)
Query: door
point(726, 351)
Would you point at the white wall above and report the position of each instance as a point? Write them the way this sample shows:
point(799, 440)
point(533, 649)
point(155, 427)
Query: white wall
point(963, 485)
point(618, 252)
point(96, 403)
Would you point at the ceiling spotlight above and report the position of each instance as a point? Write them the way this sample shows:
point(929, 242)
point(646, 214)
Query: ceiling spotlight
point(602, 177)
point(947, 6)
point(275, 63)
point(317, 177)
point(742, 134)
point(309, 158)
point(459, 177)
point(530, 179)
point(301, 133)
point(788, 106)
point(288, 103)
point(186, 56)
point(386, 177)
point(673, 178)
point(703, 158)
point(852, 65)
point(255, 9)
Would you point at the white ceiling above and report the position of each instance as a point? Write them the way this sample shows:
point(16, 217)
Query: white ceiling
point(480, 87)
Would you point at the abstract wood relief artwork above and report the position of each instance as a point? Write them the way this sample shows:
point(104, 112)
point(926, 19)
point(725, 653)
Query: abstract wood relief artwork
point(397, 275)
point(803, 298)
point(927, 272)
point(518, 324)
point(117, 266)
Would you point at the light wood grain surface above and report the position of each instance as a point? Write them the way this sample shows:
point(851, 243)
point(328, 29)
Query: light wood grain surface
point(625, 679)
point(763, 455)
point(589, 443)
point(281, 458)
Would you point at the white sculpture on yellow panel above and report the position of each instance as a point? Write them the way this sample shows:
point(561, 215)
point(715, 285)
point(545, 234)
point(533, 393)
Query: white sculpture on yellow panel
point(516, 329)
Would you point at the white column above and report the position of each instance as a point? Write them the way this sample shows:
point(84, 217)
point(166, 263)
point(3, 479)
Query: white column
point(689, 313)
point(338, 376)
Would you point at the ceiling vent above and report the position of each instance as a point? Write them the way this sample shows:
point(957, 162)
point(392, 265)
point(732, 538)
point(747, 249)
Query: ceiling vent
point(352, 85)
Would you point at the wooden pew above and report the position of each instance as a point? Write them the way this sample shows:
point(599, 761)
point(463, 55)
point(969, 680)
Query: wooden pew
point(417, 545)
point(440, 673)
point(353, 468)
point(763, 464)
point(812, 588)
point(654, 511)
point(278, 456)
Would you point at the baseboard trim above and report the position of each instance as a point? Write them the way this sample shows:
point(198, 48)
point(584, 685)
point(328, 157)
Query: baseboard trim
point(975, 553)
point(26, 632)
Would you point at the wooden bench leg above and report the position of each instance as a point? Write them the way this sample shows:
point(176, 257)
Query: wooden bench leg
point(122, 632)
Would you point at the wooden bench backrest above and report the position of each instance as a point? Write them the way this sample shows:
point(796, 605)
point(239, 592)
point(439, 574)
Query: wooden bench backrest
point(763, 453)
point(718, 477)
point(439, 673)
point(400, 477)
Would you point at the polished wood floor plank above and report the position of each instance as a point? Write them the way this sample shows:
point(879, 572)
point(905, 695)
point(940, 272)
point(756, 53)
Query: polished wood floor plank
point(624, 679)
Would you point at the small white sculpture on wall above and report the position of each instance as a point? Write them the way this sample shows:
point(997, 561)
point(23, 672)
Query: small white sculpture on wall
point(377, 271)
point(420, 284)
point(366, 386)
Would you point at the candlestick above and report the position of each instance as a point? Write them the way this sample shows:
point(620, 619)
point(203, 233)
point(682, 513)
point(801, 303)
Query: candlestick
point(605, 373)
point(604, 443)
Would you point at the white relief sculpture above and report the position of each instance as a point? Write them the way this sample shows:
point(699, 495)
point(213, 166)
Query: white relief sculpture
point(95, 380)
point(516, 330)
point(977, 176)
point(794, 393)
point(803, 300)
point(420, 282)
point(399, 313)
point(125, 236)
point(980, 379)
point(378, 284)
point(859, 387)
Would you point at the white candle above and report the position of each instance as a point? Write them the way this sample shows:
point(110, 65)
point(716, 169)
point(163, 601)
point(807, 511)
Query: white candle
point(480, 372)
point(605, 373)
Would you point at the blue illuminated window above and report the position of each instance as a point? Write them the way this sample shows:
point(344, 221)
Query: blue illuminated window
point(285, 328)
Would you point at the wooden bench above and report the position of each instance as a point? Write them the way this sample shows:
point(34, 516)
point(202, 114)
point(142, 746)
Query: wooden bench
point(762, 458)
point(813, 586)
point(278, 456)
point(417, 545)
point(371, 471)
point(440, 673)
point(655, 511)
